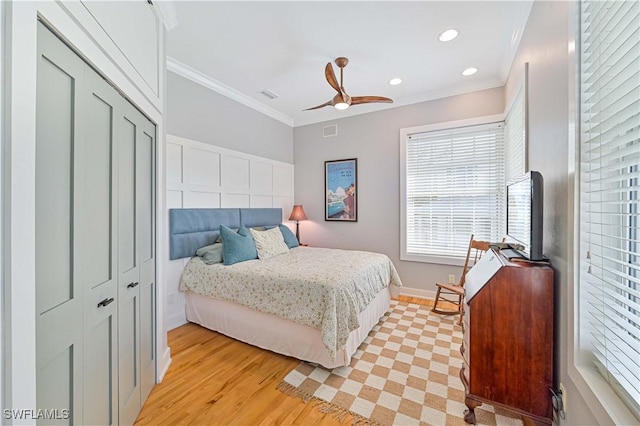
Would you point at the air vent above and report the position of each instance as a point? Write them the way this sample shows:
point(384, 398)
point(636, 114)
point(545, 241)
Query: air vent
point(269, 94)
point(330, 131)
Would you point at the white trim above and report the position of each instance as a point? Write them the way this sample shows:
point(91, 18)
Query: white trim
point(176, 320)
point(418, 292)
point(165, 362)
point(204, 80)
point(167, 11)
point(487, 119)
point(606, 406)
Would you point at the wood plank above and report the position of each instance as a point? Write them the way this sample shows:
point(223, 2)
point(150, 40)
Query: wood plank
point(214, 379)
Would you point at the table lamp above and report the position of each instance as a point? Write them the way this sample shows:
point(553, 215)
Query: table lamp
point(298, 214)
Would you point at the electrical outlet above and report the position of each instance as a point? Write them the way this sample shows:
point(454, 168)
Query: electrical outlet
point(563, 392)
point(170, 299)
point(452, 279)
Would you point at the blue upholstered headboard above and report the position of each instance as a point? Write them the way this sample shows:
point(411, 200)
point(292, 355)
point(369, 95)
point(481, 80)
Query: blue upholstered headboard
point(190, 229)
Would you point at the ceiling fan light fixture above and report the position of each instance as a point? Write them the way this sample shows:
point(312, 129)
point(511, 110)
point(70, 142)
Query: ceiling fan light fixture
point(469, 71)
point(341, 105)
point(448, 35)
point(395, 81)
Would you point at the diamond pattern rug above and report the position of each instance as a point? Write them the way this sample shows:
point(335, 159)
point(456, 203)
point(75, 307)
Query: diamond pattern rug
point(406, 372)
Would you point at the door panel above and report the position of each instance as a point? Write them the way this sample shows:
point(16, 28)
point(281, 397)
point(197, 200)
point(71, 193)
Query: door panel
point(54, 171)
point(129, 280)
point(146, 225)
point(97, 190)
point(57, 374)
point(127, 193)
point(96, 250)
point(99, 368)
point(59, 294)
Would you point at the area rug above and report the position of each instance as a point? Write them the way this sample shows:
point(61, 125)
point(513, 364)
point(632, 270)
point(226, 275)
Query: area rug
point(404, 373)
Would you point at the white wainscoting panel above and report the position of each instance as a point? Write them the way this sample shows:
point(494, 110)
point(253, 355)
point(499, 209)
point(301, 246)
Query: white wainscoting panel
point(174, 163)
point(261, 178)
point(235, 173)
point(202, 175)
point(204, 167)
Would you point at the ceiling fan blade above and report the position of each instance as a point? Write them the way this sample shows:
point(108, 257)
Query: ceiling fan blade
point(331, 77)
point(355, 100)
point(320, 106)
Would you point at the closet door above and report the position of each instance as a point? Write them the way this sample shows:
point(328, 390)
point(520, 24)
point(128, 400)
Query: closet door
point(59, 280)
point(136, 286)
point(145, 216)
point(97, 253)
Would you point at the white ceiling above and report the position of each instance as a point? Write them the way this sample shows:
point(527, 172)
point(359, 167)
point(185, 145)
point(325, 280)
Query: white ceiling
point(242, 47)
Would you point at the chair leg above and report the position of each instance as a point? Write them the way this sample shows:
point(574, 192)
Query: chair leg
point(435, 302)
point(460, 309)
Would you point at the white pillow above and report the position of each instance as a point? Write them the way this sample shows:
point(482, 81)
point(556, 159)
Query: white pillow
point(269, 243)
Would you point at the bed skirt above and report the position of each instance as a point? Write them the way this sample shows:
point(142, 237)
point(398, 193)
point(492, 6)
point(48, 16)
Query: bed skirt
point(278, 334)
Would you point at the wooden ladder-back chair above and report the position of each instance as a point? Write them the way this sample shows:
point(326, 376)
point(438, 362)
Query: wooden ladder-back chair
point(452, 294)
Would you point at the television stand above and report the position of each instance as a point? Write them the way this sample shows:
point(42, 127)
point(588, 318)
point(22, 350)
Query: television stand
point(510, 253)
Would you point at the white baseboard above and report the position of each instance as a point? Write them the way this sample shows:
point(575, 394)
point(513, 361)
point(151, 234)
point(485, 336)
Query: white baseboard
point(165, 362)
point(416, 292)
point(176, 320)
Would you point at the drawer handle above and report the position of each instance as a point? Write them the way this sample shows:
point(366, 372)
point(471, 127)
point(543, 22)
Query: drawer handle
point(105, 302)
point(132, 285)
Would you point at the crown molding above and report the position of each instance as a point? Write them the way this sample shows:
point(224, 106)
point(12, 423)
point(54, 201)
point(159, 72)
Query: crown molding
point(204, 80)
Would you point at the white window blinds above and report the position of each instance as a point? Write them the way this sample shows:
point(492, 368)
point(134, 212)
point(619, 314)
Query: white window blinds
point(610, 179)
point(454, 186)
point(514, 135)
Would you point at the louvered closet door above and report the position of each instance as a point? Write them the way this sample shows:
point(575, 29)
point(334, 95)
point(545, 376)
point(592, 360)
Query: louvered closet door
point(136, 256)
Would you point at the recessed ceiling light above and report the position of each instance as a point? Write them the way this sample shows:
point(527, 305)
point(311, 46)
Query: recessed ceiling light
point(448, 35)
point(469, 71)
point(395, 81)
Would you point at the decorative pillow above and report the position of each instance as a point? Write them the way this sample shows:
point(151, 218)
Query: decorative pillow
point(237, 247)
point(289, 238)
point(210, 254)
point(269, 243)
point(257, 228)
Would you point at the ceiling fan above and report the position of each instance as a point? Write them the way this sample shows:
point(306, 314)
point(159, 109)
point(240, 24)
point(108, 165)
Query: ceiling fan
point(342, 100)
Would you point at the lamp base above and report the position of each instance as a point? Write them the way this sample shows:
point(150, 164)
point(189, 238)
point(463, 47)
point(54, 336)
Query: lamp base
point(298, 231)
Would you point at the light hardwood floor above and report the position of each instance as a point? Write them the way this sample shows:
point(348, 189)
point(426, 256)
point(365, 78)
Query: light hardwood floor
point(215, 380)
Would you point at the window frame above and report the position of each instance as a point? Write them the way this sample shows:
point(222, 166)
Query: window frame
point(603, 402)
point(405, 133)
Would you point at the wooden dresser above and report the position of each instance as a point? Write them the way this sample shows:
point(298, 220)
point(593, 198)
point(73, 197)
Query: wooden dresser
point(507, 347)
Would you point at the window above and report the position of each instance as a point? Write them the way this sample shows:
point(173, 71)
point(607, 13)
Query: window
point(452, 186)
point(609, 189)
point(514, 136)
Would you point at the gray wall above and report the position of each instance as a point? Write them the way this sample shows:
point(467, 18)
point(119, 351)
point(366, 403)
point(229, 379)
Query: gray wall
point(545, 46)
point(197, 113)
point(374, 139)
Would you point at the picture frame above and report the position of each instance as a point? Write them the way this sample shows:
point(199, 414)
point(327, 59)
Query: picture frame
point(340, 190)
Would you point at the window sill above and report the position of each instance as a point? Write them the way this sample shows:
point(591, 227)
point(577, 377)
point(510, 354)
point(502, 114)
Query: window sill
point(439, 260)
point(605, 404)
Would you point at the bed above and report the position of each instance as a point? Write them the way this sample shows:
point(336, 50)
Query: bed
point(314, 304)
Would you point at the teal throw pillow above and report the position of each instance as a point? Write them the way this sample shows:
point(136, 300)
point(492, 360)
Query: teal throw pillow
point(210, 254)
point(289, 238)
point(237, 247)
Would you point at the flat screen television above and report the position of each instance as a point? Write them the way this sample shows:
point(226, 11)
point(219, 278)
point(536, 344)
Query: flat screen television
point(524, 215)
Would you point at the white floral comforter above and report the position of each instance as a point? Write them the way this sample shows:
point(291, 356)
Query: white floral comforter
point(317, 287)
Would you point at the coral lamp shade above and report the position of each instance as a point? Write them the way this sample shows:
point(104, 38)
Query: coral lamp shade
point(298, 213)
